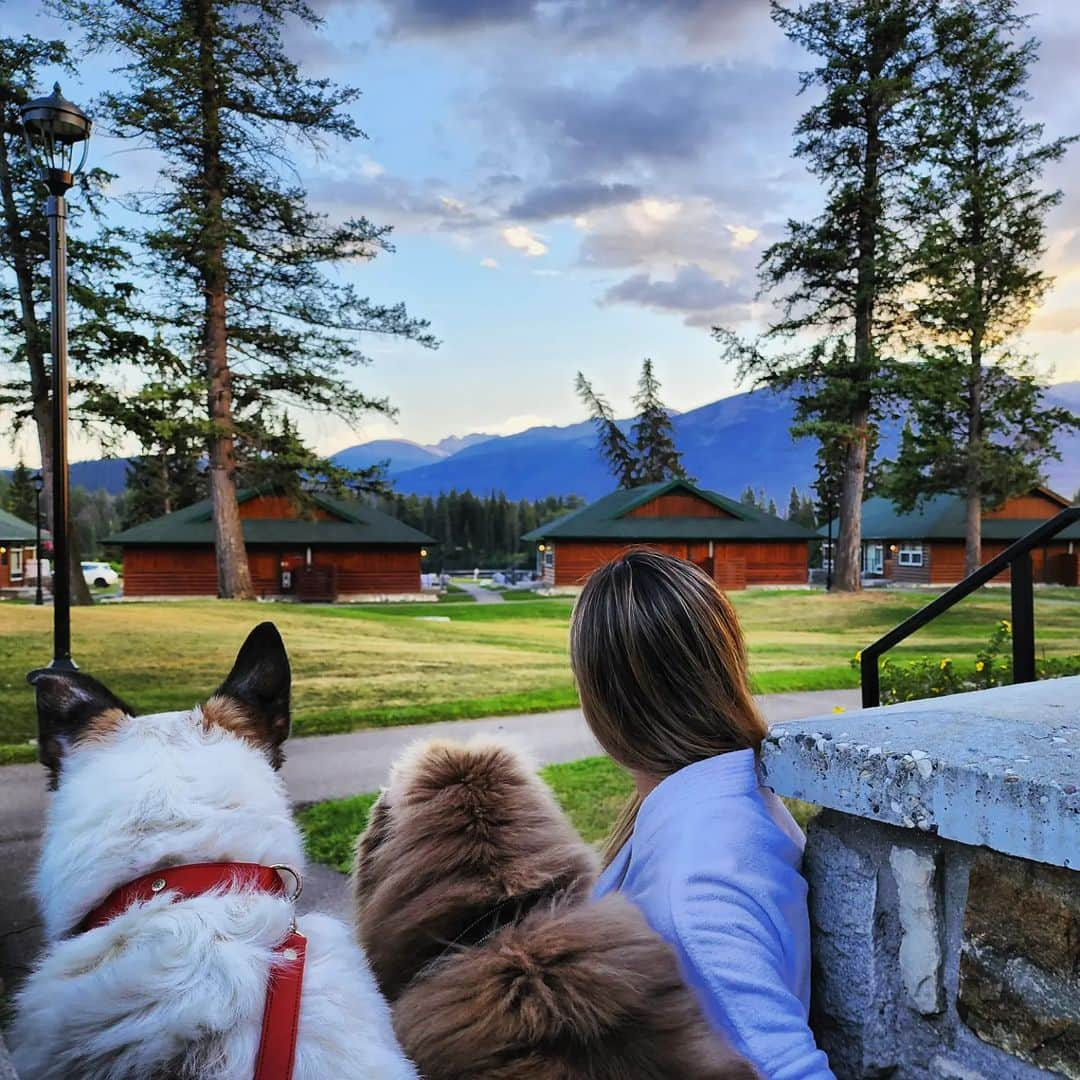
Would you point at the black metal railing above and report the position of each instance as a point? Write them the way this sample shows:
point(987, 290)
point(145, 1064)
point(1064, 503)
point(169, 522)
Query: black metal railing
point(1022, 597)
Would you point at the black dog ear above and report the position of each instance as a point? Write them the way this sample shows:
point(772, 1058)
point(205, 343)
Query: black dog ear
point(70, 706)
point(260, 682)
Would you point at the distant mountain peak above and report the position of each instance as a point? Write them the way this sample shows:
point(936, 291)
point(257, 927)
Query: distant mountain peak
point(453, 443)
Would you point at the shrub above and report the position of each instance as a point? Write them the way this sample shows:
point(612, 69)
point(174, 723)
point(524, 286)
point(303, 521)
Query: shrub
point(930, 677)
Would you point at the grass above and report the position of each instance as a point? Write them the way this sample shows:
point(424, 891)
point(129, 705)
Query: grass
point(363, 666)
point(590, 791)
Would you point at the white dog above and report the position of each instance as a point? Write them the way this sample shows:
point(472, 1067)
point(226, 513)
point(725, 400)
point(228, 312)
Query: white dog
point(174, 986)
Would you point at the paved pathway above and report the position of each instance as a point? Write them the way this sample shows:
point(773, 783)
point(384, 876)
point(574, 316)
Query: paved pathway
point(480, 594)
point(317, 768)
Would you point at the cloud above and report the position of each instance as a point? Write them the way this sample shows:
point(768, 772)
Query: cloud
point(692, 292)
point(661, 234)
point(490, 264)
point(589, 24)
point(570, 198)
point(432, 17)
point(521, 238)
point(653, 114)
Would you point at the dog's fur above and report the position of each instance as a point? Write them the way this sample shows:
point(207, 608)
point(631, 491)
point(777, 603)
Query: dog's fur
point(177, 990)
point(471, 892)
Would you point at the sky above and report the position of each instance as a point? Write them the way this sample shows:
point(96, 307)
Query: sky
point(575, 185)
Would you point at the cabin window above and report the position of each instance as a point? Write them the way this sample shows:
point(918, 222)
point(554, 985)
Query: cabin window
point(910, 555)
point(549, 558)
point(16, 564)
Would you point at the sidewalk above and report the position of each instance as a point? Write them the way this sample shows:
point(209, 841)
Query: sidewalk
point(322, 767)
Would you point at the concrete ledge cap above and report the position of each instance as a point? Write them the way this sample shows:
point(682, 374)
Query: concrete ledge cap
point(999, 768)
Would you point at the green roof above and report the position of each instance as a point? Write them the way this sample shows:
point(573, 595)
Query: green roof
point(13, 528)
point(356, 524)
point(606, 519)
point(941, 517)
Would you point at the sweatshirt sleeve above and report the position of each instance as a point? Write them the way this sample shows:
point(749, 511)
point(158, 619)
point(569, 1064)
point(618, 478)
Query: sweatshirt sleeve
point(733, 956)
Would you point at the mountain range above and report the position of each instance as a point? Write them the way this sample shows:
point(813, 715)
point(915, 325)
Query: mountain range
point(726, 445)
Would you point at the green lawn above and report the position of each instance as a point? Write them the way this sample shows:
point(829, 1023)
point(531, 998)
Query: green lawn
point(361, 666)
point(591, 791)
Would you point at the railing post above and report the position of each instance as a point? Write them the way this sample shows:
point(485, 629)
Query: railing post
point(1023, 619)
point(870, 678)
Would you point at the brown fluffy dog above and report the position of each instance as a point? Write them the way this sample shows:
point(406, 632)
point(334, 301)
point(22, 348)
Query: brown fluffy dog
point(471, 894)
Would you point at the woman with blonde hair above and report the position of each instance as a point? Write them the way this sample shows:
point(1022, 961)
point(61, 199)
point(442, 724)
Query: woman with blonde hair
point(709, 855)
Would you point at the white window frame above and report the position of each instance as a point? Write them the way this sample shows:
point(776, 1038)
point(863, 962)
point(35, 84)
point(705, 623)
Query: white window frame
point(549, 559)
point(15, 563)
point(911, 555)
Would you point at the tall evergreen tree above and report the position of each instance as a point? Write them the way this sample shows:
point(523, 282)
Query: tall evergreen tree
point(980, 426)
point(238, 251)
point(105, 321)
point(843, 273)
point(648, 454)
point(19, 498)
point(615, 446)
point(653, 434)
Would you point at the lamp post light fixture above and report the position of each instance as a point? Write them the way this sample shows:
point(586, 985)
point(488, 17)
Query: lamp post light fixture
point(55, 131)
point(39, 483)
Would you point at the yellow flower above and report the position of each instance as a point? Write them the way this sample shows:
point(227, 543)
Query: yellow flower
point(945, 663)
point(858, 655)
point(979, 665)
point(1006, 626)
point(838, 709)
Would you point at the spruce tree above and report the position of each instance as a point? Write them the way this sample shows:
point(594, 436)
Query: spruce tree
point(20, 496)
point(653, 435)
point(647, 455)
point(238, 253)
point(841, 276)
point(106, 323)
point(980, 426)
point(615, 447)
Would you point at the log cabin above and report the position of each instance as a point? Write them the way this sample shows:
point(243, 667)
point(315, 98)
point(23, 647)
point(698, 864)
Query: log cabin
point(926, 546)
point(18, 555)
point(324, 549)
point(735, 544)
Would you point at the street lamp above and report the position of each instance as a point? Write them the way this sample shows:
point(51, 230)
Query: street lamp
point(55, 129)
point(39, 483)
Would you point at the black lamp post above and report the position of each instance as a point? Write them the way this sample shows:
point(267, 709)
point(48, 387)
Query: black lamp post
point(39, 483)
point(54, 129)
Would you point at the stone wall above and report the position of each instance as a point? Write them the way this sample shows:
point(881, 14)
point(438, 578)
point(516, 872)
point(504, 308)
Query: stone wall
point(944, 891)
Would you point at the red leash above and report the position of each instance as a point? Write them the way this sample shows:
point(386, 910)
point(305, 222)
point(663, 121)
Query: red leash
point(281, 1017)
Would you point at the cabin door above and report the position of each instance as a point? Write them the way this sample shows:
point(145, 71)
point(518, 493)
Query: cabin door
point(288, 568)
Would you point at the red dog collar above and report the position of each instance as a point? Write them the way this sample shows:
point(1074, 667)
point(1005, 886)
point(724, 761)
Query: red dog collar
point(281, 1017)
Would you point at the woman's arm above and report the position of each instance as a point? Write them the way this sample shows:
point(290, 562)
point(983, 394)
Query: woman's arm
point(733, 955)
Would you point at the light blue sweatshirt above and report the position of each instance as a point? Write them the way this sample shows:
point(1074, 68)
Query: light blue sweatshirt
point(713, 863)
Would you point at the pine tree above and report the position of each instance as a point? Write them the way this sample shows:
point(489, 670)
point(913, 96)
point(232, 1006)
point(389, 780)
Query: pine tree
point(653, 435)
point(105, 319)
point(980, 426)
point(648, 455)
point(616, 449)
point(844, 273)
point(748, 497)
point(230, 237)
point(20, 497)
point(794, 506)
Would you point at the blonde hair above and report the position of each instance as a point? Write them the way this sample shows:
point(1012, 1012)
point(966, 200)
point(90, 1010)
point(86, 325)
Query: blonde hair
point(660, 664)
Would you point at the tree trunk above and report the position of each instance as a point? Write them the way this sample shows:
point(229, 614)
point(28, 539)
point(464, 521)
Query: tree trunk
point(848, 554)
point(40, 382)
point(973, 494)
point(974, 477)
point(234, 574)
